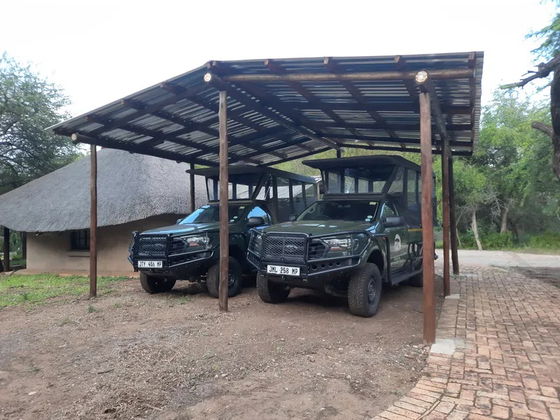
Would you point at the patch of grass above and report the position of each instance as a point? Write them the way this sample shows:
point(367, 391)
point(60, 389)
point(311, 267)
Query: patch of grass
point(66, 321)
point(20, 289)
point(91, 309)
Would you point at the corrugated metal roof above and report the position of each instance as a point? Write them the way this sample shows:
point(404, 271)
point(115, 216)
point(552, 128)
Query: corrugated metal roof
point(290, 108)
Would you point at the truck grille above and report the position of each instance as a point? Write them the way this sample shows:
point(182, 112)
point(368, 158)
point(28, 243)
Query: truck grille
point(152, 246)
point(284, 248)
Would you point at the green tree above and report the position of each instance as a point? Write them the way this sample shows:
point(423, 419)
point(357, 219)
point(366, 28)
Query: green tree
point(508, 181)
point(549, 50)
point(28, 105)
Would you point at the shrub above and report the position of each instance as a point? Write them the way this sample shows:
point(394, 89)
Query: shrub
point(547, 240)
point(497, 240)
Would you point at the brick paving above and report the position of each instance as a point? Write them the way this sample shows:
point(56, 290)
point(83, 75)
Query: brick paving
point(497, 353)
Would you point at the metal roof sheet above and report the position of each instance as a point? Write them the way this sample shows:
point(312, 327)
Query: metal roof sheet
point(280, 115)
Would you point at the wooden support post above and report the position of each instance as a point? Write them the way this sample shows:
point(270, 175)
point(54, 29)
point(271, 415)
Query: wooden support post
point(427, 220)
point(192, 189)
point(445, 207)
point(24, 245)
point(6, 261)
point(93, 224)
point(452, 219)
point(224, 216)
point(339, 153)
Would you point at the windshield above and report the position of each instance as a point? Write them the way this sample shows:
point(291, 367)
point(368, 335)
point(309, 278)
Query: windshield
point(211, 213)
point(356, 211)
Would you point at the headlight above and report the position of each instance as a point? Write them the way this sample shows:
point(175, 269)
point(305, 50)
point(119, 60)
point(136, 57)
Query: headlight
point(345, 246)
point(195, 242)
point(255, 243)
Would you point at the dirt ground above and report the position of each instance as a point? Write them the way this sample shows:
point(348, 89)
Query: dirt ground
point(128, 354)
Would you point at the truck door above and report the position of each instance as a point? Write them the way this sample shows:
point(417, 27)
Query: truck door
point(398, 237)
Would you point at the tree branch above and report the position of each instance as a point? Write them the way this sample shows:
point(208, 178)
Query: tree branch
point(544, 69)
point(546, 129)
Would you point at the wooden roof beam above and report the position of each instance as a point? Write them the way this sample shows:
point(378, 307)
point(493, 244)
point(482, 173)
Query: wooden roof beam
point(194, 126)
point(222, 68)
point(303, 91)
point(399, 127)
point(251, 102)
point(117, 123)
point(158, 137)
point(379, 107)
point(408, 83)
point(360, 76)
point(355, 92)
point(376, 139)
point(399, 149)
point(232, 114)
point(313, 152)
point(102, 141)
point(296, 142)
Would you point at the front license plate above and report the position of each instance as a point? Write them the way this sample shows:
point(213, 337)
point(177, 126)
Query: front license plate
point(150, 264)
point(282, 270)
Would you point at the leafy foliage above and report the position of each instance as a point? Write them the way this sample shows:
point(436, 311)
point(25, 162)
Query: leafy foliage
point(28, 105)
point(550, 35)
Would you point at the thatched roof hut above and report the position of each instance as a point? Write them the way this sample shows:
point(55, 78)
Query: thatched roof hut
point(131, 187)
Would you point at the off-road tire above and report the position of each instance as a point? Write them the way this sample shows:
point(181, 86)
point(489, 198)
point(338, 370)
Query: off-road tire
point(271, 292)
point(417, 280)
point(213, 279)
point(364, 291)
point(152, 284)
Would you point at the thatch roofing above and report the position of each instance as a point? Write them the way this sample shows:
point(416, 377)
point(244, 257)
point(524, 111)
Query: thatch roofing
point(130, 187)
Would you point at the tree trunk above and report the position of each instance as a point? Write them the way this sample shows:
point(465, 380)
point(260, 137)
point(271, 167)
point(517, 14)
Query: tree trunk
point(504, 223)
point(555, 114)
point(474, 226)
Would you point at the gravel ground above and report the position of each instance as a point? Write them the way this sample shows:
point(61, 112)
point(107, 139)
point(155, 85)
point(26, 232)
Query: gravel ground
point(133, 355)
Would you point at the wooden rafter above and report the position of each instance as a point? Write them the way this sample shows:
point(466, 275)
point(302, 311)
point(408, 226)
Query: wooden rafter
point(158, 137)
point(402, 141)
point(357, 95)
point(325, 77)
point(387, 107)
point(102, 141)
point(222, 68)
point(193, 126)
point(251, 102)
point(375, 126)
point(233, 115)
point(306, 93)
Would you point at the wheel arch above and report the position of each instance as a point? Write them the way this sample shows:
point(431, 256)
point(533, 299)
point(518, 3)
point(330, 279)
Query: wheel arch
point(377, 257)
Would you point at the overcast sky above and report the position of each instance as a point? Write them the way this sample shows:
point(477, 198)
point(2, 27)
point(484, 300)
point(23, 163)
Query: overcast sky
point(99, 51)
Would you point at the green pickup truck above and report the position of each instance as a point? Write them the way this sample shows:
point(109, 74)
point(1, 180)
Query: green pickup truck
point(364, 232)
point(189, 250)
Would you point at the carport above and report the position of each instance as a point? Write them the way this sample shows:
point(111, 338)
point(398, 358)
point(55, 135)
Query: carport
point(264, 112)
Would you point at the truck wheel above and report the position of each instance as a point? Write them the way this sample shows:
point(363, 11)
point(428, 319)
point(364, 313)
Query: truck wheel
point(364, 291)
point(417, 280)
point(152, 284)
point(234, 282)
point(271, 292)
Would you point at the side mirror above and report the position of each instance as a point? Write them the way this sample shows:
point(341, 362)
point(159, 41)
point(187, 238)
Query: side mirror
point(292, 217)
point(393, 221)
point(178, 221)
point(255, 221)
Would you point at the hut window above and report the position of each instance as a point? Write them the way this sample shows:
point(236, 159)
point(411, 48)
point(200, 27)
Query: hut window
point(79, 240)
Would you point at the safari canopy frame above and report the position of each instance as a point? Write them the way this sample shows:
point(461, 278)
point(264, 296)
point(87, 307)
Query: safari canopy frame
point(264, 112)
